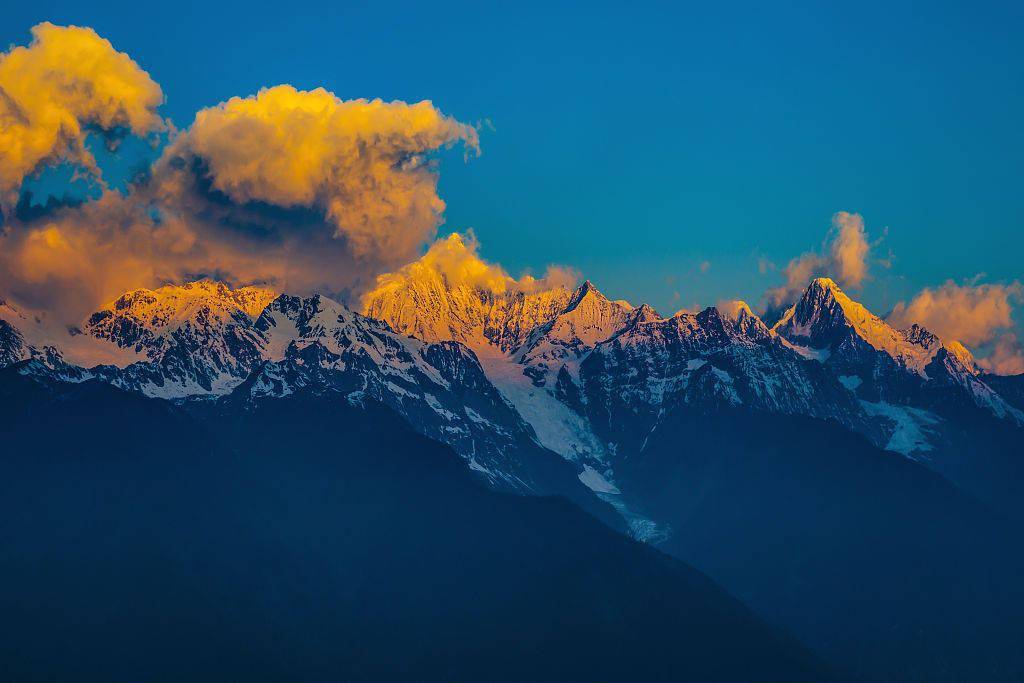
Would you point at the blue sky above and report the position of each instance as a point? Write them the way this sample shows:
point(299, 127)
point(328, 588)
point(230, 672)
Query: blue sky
point(637, 143)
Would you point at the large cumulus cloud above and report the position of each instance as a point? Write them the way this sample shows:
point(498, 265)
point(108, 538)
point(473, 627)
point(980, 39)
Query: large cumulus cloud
point(362, 164)
point(53, 91)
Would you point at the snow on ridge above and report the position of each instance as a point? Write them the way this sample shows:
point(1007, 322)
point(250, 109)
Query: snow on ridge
point(909, 427)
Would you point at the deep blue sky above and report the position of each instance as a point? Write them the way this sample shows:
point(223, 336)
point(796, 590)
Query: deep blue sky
point(636, 143)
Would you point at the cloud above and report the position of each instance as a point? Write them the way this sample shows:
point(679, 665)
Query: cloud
point(455, 259)
point(554, 277)
point(67, 81)
point(849, 250)
point(82, 256)
point(733, 308)
point(1007, 357)
point(298, 190)
point(844, 257)
point(77, 258)
point(971, 314)
point(362, 164)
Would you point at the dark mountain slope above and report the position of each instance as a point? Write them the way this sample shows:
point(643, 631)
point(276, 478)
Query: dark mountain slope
point(309, 540)
point(880, 565)
point(1010, 387)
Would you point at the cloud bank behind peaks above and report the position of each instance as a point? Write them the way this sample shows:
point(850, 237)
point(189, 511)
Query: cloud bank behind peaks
point(66, 81)
point(362, 164)
point(971, 314)
point(975, 315)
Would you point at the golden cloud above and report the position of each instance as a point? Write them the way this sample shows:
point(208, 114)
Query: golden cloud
point(732, 309)
point(844, 257)
point(456, 261)
point(849, 249)
point(299, 190)
point(67, 80)
point(1007, 357)
point(971, 314)
point(80, 257)
point(361, 163)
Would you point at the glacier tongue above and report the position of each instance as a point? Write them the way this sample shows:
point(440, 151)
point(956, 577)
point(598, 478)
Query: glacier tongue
point(558, 428)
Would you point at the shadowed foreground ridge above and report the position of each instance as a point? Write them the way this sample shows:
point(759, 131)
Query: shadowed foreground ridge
point(309, 540)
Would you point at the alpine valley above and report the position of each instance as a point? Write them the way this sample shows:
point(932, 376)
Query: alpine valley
point(704, 495)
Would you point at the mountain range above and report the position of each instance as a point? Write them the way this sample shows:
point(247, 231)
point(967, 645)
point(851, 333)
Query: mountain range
point(855, 484)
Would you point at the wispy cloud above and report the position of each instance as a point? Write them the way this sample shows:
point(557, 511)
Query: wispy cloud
point(845, 257)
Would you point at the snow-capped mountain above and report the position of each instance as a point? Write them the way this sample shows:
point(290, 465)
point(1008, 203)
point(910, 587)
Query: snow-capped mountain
point(710, 434)
point(825, 322)
point(195, 338)
point(205, 340)
point(588, 319)
point(528, 343)
point(597, 376)
point(319, 345)
point(12, 341)
point(880, 364)
point(425, 303)
point(507, 377)
point(709, 361)
point(21, 337)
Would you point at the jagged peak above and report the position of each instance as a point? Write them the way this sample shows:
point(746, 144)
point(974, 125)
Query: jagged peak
point(826, 315)
point(589, 292)
point(320, 301)
point(587, 289)
point(824, 283)
point(916, 334)
point(645, 313)
point(734, 319)
point(825, 301)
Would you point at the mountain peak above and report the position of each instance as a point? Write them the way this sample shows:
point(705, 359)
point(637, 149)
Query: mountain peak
point(589, 292)
point(645, 313)
point(176, 303)
point(823, 309)
point(825, 318)
point(824, 283)
point(587, 289)
point(962, 354)
point(190, 325)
